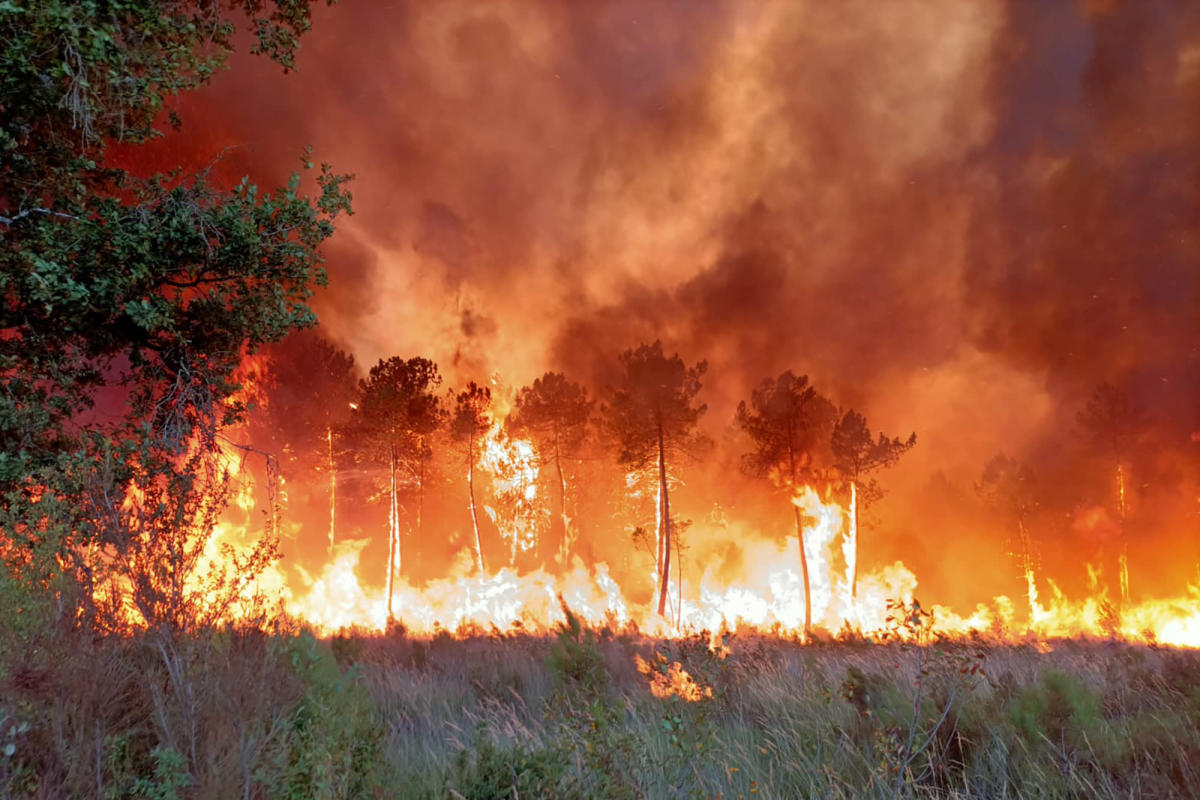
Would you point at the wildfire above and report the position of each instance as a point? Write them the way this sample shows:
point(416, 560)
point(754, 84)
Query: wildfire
point(766, 594)
point(763, 598)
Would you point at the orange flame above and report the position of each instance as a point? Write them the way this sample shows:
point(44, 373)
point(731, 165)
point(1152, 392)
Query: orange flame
point(670, 679)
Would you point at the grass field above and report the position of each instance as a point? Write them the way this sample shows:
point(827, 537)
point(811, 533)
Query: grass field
point(223, 714)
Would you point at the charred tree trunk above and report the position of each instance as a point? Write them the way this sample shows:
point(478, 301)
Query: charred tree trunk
point(1123, 556)
point(800, 538)
point(658, 533)
point(665, 566)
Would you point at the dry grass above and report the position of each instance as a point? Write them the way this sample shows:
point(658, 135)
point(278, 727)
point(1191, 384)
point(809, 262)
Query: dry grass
point(227, 714)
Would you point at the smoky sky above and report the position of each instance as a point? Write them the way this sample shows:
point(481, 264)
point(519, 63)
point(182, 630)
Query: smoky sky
point(958, 217)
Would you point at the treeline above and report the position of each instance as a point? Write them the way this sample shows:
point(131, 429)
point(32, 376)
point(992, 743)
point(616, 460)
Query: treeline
point(398, 433)
point(538, 474)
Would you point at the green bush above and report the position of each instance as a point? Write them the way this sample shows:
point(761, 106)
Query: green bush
point(575, 659)
point(487, 772)
point(1061, 708)
point(330, 744)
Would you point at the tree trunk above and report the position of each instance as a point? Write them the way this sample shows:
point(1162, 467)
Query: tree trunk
point(564, 550)
point(665, 569)
point(853, 565)
point(658, 533)
point(800, 537)
point(471, 504)
point(678, 586)
point(392, 555)
point(1035, 608)
point(1123, 557)
point(804, 572)
point(332, 490)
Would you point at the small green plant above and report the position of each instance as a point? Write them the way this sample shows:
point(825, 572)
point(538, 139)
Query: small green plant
point(487, 772)
point(169, 779)
point(575, 659)
point(1061, 708)
point(330, 744)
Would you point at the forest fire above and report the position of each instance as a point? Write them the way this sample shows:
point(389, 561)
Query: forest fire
point(599, 399)
point(764, 596)
point(771, 588)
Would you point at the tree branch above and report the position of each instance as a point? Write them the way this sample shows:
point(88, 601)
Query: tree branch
point(48, 212)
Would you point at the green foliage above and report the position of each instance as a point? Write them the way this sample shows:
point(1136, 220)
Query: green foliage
point(1060, 707)
point(330, 744)
point(575, 659)
point(150, 287)
point(160, 774)
point(277, 717)
point(170, 776)
point(487, 772)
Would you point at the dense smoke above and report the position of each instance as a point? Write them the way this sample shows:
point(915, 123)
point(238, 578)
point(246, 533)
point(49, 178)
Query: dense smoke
point(958, 218)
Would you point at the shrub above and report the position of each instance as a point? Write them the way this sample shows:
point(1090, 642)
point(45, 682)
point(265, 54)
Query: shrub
point(330, 744)
point(575, 659)
point(487, 772)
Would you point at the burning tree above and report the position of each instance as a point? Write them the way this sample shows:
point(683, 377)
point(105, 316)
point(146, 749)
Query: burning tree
point(312, 386)
point(1113, 422)
point(554, 413)
point(513, 507)
point(398, 412)
point(653, 415)
point(855, 455)
point(469, 425)
point(787, 419)
point(1008, 486)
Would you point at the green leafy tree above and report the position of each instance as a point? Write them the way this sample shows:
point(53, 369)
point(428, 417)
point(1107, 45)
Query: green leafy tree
point(112, 284)
point(397, 413)
point(469, 425)
point(787, 419)
point(652, 414)
point(855, 456)
point(554, 412)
